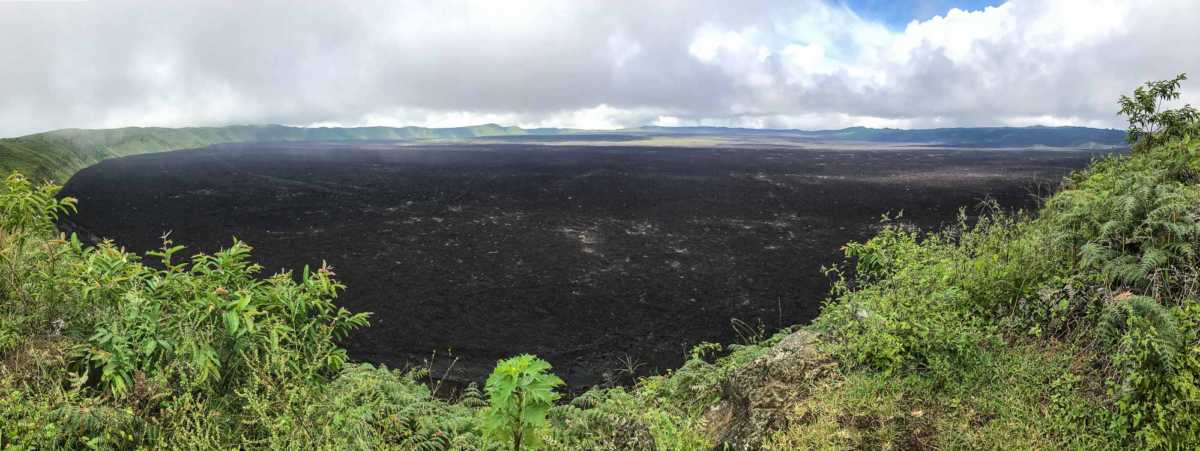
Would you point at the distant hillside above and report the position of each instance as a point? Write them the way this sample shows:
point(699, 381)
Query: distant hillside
point(58, 154)
point(959, 137)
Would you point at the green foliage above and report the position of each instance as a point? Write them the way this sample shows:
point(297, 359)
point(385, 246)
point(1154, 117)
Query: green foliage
point(1157, 362)
point(912, 307)
point(1022, 396)
point(28, 208)
point(211, 325)
point(32, 267)
point(885, 254)
point(1110, 264)
point(28, 421)
point(363, 408)
point(136, 342)
point(1133, 221)
point(694, 387)
point(1149, 123)
point(520, 393)
point(600, 419)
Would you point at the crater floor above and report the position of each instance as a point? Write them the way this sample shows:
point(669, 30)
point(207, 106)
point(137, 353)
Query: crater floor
point(585, 255)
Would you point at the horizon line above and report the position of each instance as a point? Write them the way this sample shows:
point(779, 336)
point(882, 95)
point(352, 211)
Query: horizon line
point(589, 130)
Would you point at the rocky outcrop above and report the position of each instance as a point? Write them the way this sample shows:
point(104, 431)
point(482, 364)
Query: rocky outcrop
point(757, 399)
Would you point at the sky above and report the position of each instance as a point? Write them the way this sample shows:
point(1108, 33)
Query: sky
point(599, 64)
point(897, 14)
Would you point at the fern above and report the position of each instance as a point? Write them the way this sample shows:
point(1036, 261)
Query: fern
point(472, 397)
point(1158, 372)
point(1118, 317)
point(1130, 226)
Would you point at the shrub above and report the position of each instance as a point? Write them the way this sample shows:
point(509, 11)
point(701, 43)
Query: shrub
point(895, 328)
point(365, 407)
point(28, 208)
point(696, 385)
point(909, 309)
point(1133, 228)
point(1157, 382)
point(33, 267)
point(1149, 123)
point(600, 419)
point(210, 325)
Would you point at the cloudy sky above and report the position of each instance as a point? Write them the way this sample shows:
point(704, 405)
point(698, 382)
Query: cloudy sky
point(808, 64)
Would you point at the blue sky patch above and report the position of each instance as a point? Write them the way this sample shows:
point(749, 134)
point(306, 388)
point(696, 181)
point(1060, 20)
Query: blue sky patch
point(896, 14)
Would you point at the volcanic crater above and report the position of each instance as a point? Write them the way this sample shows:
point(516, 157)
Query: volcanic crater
point(591, 256)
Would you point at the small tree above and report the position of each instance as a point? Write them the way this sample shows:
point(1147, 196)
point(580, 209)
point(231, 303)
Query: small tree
point(1149, 124)
point(521, 393)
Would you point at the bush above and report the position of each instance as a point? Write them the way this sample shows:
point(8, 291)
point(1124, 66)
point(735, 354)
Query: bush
point(909, 309)
point(1151, 125)
point(1157, 363)
point(209, 325)
point(363, 408)
point(1132, 226)
point(33, 266)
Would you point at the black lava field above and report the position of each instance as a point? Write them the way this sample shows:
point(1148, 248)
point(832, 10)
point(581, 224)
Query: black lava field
point(589, 256)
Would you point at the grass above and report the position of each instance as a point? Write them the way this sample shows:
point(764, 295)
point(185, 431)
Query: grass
point(1021, 397)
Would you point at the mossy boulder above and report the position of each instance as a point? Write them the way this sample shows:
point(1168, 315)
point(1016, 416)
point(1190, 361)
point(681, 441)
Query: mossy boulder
point(757, 398)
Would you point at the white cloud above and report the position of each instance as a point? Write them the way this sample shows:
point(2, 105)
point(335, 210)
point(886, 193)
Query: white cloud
point(600, 117)
point(589, 64)
point(667, 121)
point(1053, 121)
point(1062, 61)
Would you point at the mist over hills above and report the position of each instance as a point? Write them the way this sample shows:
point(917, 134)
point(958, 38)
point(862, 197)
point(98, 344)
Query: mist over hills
point(961, 137)
point(56, 155)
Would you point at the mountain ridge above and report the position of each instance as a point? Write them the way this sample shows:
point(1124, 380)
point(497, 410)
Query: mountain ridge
point(58, 154)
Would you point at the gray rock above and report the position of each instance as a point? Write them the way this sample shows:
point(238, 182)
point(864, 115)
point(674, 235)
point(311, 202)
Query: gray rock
point(757, 398)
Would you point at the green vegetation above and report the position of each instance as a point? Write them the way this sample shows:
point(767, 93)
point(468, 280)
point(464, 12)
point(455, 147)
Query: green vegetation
point(1149, 124)
point(1076, 327)
point(59, 154)
point(521, 394)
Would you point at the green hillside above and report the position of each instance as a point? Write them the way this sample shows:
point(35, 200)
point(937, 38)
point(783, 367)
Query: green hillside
point(58, 154)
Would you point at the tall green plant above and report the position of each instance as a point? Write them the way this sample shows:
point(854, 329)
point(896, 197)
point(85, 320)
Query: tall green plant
point(521, 392)
point(1149, 123)
point(26, 207)
point(32, 269)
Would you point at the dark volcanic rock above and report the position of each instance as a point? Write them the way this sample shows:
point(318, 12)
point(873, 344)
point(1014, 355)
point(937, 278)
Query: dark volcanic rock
point(584, 255)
